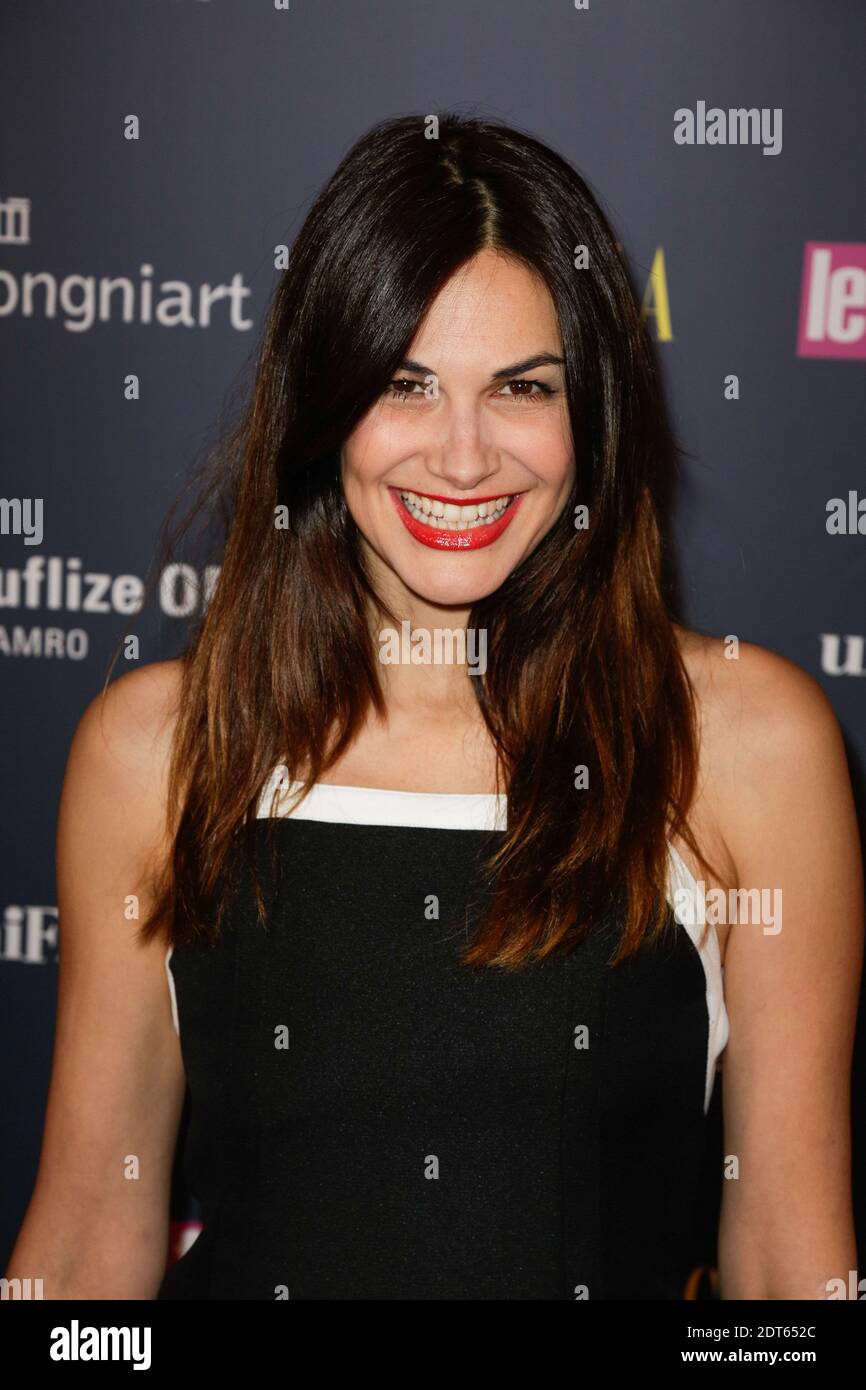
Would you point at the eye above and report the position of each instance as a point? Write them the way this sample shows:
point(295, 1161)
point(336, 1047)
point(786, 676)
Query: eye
point(530, 395)
point(401, 388)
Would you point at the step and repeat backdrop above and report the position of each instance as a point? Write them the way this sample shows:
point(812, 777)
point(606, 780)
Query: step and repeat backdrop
point(155, 156)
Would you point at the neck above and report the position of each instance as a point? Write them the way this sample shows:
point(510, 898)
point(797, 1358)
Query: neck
point(428, 656)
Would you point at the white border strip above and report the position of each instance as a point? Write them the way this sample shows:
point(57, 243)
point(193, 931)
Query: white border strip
point(378, 806)
point(171, 990)
point(681, 880)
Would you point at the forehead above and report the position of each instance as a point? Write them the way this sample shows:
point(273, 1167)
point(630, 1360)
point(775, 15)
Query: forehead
point(491, 311)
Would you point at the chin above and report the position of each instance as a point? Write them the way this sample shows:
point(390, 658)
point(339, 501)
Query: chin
point(457, 589)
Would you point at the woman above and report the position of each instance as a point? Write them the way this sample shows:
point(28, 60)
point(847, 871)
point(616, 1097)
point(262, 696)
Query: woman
point(439, 975)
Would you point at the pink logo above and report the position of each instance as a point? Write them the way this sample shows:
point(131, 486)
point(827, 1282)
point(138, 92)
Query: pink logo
point(833, 302)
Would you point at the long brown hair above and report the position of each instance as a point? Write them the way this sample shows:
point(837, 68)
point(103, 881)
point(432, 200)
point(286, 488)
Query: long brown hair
point(584, 667)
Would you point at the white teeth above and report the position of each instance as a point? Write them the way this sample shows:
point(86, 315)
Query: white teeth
point(451, 516)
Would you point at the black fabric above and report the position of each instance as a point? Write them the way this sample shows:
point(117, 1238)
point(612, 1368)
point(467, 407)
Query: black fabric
point(559, 1169)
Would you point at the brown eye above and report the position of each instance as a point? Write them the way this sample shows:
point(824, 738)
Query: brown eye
point(529, 395)
point(401, 387)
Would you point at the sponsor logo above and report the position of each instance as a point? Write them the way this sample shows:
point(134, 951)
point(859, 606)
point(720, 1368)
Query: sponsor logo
point(15, 222)
point(60, 584)
point(833, 300)
point(84, 300)
point(28, 935)
point(839, 660)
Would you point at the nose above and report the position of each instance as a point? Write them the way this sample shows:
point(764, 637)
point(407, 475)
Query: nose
point(461, 453)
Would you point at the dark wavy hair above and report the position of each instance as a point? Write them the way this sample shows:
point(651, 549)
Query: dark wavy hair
point(584, 665)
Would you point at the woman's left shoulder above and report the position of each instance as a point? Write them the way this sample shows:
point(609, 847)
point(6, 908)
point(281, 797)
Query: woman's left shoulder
point(773, 771)
point(753, 700)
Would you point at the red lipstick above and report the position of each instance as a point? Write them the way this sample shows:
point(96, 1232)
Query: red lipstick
point(440, 539)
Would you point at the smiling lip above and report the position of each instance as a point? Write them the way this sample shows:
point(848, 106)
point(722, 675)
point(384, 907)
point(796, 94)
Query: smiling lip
point(439, 538)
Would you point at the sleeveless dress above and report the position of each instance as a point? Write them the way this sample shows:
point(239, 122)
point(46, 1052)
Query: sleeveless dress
point(372, 1119)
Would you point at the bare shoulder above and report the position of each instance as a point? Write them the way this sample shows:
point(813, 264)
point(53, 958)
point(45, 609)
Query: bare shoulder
point(751, 697)
point(769, 734)
point(132, 721)
point(117, 771)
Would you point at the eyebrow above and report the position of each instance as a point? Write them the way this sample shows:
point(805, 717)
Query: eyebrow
point(541, 359)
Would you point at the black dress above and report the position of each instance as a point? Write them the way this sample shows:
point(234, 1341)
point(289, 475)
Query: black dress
point(371, 1119)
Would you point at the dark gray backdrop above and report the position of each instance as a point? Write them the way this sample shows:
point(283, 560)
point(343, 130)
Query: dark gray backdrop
point(244, 112)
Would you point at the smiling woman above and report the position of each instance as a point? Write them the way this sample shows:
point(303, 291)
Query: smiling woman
point(487, 456)
point(440, 982)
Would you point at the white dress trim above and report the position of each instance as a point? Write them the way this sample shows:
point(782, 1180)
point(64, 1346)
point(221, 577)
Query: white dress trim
point(487, 811)
point(378, 806)
point(171, 991)
point(689, 909)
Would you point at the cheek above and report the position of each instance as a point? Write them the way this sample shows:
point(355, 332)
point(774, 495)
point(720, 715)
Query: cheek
point(362, 467)
point(553, 463)
point(366, 456)
point(547, 447)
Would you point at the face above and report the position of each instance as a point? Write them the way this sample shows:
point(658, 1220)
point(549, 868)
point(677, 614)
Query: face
point(457, 472)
